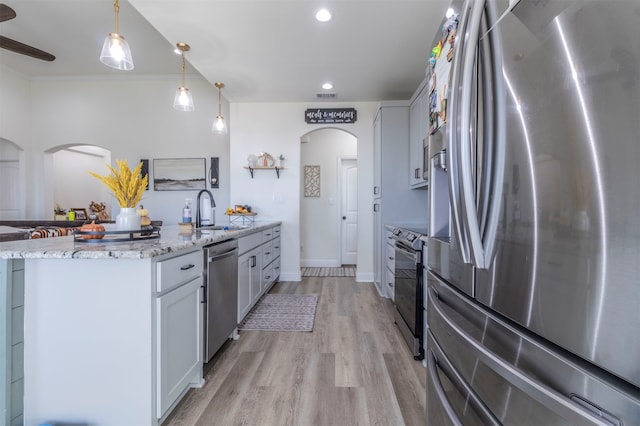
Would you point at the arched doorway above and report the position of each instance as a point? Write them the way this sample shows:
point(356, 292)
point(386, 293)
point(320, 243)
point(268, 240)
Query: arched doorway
point(328, 194)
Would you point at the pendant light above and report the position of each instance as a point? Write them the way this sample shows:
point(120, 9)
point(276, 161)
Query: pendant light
point(219, 125)
point(183, 100)
point(115, 50)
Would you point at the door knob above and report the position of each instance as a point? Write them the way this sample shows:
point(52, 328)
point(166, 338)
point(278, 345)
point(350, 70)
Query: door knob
point(344, 218)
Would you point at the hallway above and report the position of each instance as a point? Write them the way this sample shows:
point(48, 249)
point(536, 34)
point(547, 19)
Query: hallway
point(354, 368)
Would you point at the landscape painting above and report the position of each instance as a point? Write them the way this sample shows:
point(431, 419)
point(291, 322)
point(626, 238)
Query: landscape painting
point(179, 174)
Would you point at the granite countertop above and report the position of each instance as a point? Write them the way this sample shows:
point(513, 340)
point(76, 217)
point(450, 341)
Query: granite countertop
point(170, 240)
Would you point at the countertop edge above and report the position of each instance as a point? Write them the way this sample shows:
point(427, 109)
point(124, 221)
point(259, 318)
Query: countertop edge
point(171, 240)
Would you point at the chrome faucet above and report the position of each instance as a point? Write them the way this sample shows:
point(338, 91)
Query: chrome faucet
point(198, 214)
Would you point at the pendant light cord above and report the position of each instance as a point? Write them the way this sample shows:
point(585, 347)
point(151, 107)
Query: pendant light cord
point(183, 69)
point(116, 8)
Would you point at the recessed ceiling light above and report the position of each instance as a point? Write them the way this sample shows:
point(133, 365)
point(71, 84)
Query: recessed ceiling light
point(323, 15)
point(327, 86)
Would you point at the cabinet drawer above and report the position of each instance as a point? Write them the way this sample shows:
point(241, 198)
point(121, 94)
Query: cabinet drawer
point(267, 235)
point(267, 254)
point(276, 269)
point(276, 231)
point(390, 284)
point(174, 271)
point(276, 248)
point(267, 277)
point(249, 242)
point(390, 257)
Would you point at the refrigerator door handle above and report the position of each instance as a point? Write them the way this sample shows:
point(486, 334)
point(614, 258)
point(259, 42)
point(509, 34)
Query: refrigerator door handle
point(453, 142)
point(441, 362)
point(469, 208)
point(569, 410)
point(496, 115)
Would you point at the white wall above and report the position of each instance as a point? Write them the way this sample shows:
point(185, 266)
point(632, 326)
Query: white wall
point(72, 189)
point(320, 216)
point(133, 118)
point(277, 128)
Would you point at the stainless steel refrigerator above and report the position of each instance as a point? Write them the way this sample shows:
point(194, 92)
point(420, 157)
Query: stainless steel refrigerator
point(534, 251)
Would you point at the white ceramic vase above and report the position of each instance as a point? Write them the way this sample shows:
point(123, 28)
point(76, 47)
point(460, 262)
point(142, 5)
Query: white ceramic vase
point(127, 219)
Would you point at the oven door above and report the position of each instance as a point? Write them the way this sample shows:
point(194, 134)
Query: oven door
point(408, 286)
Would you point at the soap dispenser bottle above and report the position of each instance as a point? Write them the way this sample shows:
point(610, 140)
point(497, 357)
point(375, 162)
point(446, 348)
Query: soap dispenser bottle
point(186, 211)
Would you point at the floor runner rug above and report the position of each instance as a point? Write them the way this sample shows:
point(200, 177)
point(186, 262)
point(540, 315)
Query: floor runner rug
point(348, 271)
point(282, 312)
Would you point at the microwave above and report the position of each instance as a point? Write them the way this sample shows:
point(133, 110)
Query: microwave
point(425, 159)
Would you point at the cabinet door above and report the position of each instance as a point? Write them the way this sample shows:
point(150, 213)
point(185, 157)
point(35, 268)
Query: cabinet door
point(418, 127)
point(256, 275)
point(244, 285)
point(179, 342)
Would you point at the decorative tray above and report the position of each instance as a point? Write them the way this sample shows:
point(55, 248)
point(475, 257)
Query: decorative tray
point(103, 237)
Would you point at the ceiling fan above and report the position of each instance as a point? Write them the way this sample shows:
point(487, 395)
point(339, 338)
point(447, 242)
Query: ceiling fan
point(6, 14)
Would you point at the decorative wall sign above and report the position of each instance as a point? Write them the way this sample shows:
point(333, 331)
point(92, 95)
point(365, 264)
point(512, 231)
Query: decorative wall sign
point(179, 174)
point(145, 171)
point(330, 115)
point(214, 172)
point(311, 181)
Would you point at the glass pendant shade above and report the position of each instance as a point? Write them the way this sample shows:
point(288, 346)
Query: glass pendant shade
point(219, 125)
point(183, 100)
point(116, 53)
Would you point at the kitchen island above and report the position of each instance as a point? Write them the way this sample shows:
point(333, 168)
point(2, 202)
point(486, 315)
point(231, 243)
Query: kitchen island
point(113, 331)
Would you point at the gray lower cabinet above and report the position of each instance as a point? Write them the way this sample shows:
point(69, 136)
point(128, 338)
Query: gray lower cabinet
point(248, 281)
point(179, 319)
point(258, 267)
point(11, 341)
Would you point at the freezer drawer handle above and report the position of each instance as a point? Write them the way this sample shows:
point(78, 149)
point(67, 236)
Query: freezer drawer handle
point(569, 410)
point(442, 396)
point(476, 403)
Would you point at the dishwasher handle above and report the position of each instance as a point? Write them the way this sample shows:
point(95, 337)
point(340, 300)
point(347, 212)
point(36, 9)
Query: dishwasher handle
point(222, 255)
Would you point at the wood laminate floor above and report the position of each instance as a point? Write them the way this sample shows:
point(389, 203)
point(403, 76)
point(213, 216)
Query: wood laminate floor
point(353, 369)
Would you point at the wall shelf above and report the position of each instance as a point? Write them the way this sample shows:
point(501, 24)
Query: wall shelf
point(277, 169)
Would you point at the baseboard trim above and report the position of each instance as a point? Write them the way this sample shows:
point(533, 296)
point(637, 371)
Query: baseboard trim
point(291, 276)
point(320, 263)
point(364, 277)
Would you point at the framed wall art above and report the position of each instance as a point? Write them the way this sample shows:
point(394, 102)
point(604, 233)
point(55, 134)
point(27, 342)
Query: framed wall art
point(179, 174)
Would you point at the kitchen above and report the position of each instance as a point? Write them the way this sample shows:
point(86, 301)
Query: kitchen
point(246, 112)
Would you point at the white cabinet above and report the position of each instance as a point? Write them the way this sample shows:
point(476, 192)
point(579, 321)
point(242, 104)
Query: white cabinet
point(418, 129)
point(393, 200)
point(258, 267)
point(179, 342)
point(390, 264)
point(248, 281)
point(179, 322)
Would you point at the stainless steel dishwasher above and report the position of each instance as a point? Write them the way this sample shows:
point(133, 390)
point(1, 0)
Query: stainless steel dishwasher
point(220, 295)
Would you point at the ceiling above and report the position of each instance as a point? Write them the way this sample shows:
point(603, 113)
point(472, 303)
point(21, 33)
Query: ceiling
point(263, 50)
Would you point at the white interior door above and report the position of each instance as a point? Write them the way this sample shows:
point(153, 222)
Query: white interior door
point(349, 211)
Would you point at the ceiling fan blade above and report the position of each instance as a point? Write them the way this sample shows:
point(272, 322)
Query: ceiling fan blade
point(6, 12)
point(24, 49)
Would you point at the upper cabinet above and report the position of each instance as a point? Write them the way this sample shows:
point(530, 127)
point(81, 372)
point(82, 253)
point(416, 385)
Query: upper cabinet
point(418, 128)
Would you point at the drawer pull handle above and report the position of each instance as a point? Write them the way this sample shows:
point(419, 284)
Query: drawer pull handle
point(189, 266)
point(267, 253)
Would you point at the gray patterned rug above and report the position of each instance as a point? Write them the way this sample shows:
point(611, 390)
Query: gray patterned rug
point(282, 312)
point(345, 271)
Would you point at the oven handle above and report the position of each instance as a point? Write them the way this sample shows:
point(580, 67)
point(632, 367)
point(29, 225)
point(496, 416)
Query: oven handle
point(411, 253)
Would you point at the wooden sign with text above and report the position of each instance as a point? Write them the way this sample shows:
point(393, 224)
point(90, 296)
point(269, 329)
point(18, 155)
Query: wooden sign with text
point(330, 115)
